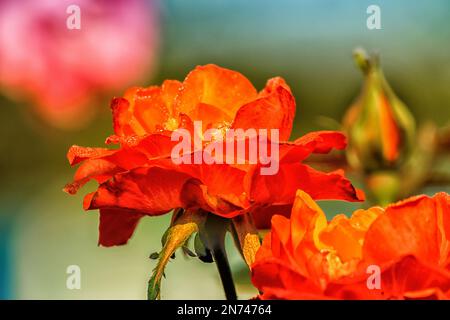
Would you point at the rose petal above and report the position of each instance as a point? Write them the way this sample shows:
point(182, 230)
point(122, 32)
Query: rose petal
point(116, 226)
point(148, 190)
point(407, 278)
point(275, 109)
point(314, 142)
point(408, 227)
point(144, 110)
point(77, 154)
point(281, 188)
point(211, 85)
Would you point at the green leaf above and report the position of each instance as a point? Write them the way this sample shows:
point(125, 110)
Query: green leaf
point(154, 255)
point(176, 236)
point(203, 253)
point(155, 292)
point(164, 237)
point(199, 247)
point(188, 252)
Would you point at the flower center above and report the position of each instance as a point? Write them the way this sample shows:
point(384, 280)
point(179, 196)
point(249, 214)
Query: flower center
point(171, 124)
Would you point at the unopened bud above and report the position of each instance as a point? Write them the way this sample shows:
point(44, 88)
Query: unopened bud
point(379, 127)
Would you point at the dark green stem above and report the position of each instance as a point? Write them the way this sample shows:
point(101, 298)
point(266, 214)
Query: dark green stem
point(215, 231)
point(220, 257)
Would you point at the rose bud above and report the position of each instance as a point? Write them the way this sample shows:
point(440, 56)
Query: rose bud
point(379, 127)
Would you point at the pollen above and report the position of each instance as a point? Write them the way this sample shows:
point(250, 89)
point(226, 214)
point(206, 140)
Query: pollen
point(171, 124)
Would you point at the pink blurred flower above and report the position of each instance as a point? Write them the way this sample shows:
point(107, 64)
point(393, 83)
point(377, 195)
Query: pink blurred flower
point(62, 71)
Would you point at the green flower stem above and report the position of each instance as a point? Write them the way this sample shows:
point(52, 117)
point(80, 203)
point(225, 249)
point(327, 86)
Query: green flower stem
point(220, 257)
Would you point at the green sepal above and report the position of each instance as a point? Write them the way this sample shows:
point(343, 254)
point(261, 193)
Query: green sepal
point(183, 226)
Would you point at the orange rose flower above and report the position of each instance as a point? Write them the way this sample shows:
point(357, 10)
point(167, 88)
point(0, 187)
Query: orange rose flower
point(140, 178)
point(401, 252)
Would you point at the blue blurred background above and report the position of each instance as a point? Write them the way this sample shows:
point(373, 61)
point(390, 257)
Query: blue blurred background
point(308, 42)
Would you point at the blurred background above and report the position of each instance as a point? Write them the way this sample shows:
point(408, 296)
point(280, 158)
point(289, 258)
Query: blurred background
point(56, 84)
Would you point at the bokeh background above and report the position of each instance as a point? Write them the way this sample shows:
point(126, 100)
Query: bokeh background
point(308, 42)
